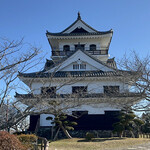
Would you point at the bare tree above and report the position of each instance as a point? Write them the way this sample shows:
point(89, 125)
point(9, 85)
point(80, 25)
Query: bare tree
point(141, 81)
point(14, 56)
point(21, 126)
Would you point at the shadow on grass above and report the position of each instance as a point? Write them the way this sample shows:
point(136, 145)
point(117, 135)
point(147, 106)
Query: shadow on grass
point(100, 139)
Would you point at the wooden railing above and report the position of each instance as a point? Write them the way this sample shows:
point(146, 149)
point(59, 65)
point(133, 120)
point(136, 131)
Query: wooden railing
point(97, 52)
point(44, 143)
point(41, 144)
point(66, 53)
point(61, 53)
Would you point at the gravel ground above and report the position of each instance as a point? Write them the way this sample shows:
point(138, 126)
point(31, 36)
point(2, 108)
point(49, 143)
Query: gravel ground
point(139, 147)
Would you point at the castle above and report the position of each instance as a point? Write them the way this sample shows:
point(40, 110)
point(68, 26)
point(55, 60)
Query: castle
point(81, 72)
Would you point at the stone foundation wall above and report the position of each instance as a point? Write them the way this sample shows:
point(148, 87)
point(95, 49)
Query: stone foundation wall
point(97, 133)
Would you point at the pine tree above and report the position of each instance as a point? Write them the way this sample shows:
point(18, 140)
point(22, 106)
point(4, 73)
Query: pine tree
point(61, 122)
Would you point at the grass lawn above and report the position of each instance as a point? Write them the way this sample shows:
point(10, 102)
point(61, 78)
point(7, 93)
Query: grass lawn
point(96, 144)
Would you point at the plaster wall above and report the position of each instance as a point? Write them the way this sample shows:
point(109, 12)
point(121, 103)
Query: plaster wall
point(43, 121)
point(88, 67)
point(101, 43)
point(92, 86)
point(92, 109)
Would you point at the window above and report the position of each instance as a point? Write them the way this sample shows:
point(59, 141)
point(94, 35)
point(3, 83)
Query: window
point(48, 90)
point(79, 89)
point(111, 90)
point(66, 48)
point(92, 47)
point(75, 66)
point(82, 66)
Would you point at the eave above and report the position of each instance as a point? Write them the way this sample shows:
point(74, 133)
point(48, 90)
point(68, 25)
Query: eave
point(91, 32)
point(79, 36)
point(66, 74)
point(119, 99)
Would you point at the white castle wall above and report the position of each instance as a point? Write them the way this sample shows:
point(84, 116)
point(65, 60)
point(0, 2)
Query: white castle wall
point(101, 43)
point(92, 109)
point(93, 86)
point(88, 67)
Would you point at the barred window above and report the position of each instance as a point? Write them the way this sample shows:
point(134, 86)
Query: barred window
point(111, 89)
point(82, 66)
point(75, 66)
point(48, 90)
point(79, 89)
point(79, 66)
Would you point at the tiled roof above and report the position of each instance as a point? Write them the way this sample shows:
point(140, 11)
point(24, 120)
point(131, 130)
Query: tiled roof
point(112, 63)
point(62, 74)
point(79, 18)
point(86, 95)
point(79, 34)
point(95, 32)
point(99, 73)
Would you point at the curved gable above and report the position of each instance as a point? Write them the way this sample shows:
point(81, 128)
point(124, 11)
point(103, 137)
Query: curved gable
point(79, 30)
point(77, 25)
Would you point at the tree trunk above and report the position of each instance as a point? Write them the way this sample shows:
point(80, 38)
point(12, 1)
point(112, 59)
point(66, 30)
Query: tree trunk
point(121, 134)
point(56, 134)
point(132, 134)
point(125, 133)
point(66, 132)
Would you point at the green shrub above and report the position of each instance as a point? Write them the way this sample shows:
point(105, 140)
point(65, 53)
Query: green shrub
point(89, 136)
point(10, 142)
point(27, 139)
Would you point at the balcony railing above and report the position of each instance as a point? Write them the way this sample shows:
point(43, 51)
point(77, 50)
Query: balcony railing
point(97, 52)
point(67, 53)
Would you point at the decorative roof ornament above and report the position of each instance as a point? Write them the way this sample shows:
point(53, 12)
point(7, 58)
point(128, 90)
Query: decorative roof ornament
point(79, 17)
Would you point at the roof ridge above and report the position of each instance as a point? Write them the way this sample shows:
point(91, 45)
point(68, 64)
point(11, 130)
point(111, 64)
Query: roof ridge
point(79, 19)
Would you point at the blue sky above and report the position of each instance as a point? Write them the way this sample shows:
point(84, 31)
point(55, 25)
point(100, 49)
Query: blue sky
point(129, 19)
